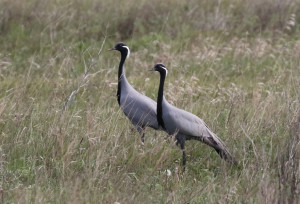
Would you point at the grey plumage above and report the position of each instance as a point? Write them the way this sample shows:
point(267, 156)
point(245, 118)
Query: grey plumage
point(140, 109)
point(185, 125)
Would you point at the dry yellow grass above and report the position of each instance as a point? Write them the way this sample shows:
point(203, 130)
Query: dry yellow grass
point(233, 63)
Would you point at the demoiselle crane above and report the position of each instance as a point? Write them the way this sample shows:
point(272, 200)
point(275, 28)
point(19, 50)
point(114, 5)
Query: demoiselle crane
point(139, 109)
point(185, 125)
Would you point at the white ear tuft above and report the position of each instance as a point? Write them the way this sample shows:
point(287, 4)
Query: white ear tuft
point(165, 69)
point(128, 51)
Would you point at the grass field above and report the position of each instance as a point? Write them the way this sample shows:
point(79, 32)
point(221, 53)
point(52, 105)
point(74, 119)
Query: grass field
point(234, 63)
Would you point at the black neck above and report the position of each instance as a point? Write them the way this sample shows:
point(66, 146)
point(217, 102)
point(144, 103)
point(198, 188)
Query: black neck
point(160, 99)
point(120, 75)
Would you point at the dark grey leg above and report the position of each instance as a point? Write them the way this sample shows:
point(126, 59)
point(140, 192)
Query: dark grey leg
point(183, 159)
point(141, 130)
point(181, 141)
point(143, 138)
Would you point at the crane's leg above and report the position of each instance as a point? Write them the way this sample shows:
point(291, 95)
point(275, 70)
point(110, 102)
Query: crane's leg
point(141, 130)
point(180, 140)
point(183, 159)
point(143, 137)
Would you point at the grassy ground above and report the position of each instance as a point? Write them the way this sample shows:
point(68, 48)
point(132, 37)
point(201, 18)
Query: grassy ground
point(235, 64)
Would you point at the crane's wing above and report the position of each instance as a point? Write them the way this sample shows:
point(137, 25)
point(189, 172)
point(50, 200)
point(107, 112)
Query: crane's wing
point(183, 121)
point(195, 128)
point(140, 109)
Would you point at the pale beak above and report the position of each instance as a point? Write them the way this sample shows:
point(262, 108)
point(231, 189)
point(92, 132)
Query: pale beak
point(111, 49)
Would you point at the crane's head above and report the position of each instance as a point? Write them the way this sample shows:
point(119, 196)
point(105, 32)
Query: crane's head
point(161, 68)
point(123, 48)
